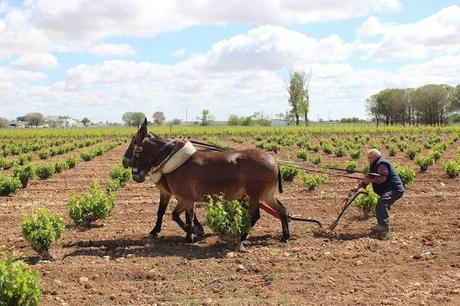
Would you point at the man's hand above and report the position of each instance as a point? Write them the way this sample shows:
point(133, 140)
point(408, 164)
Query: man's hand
point(367, 179)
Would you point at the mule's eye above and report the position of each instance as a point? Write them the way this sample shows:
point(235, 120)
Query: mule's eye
point(139, 150)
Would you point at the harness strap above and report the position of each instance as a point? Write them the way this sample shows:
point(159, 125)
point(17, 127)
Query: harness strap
point(158, 168)
point(175, 158)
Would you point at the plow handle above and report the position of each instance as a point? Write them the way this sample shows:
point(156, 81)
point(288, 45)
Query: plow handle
point(351, 197)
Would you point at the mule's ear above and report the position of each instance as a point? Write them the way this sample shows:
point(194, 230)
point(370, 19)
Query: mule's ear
point(143, 129)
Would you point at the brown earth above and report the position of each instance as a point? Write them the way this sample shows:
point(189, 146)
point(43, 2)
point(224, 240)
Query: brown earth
point(115, 263)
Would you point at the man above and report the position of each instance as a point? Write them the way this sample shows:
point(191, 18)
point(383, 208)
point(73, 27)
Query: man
point(387, 184)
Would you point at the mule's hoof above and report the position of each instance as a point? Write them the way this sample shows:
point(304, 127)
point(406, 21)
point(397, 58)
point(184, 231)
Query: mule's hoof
point(153, 235)
point(240, 247)
point(198, 230)
point(285, 239)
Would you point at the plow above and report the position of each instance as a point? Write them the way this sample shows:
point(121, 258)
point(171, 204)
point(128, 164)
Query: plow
point(346, 204)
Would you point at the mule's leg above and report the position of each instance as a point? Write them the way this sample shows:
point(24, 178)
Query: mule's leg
point(284, 221)
point(281, 209)
point(190, 218)
point(197, 227)
point(255, 213)
point(190, 224)
point(187, 227)
point(164, 201)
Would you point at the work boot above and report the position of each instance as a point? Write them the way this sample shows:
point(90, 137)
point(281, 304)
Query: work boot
point(382, 232)
point(380, 228)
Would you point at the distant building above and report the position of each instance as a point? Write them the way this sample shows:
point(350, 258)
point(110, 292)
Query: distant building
point(56, 122)
point(280, 122)
point(16, 124)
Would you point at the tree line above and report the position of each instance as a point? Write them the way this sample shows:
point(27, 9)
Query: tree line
point(38, 119)
point(432, 104)
point(159, 118)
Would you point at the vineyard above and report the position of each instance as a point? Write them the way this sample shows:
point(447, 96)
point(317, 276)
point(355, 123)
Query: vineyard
point(101, 254)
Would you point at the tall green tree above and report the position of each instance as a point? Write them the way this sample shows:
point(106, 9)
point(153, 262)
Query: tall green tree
point(431, 102)
point(455, 98)
point(133, 118)
point(205, 117)
point(233, 120)
point(35, 119)
point(85, 121)
point(3, 122)
point(159, 118)
point(298, 95)
point(175, 121)
point(428, 104)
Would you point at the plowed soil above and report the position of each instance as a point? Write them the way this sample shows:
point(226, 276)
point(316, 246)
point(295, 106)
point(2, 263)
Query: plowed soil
point(115, 263)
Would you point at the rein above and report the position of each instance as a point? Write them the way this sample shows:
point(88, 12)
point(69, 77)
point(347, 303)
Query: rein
point(321, 169)
point(316, 169)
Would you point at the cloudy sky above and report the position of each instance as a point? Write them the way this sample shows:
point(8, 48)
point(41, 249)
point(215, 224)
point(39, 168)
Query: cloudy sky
point(101, 58)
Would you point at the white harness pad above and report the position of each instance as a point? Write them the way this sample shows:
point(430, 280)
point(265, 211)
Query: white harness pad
point(174, 162)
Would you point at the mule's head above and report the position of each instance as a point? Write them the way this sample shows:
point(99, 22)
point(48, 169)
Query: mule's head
point(147, 154)
point(135, 141)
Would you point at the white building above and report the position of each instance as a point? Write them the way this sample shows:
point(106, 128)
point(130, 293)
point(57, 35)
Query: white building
point(55, 121)
point(280, 122)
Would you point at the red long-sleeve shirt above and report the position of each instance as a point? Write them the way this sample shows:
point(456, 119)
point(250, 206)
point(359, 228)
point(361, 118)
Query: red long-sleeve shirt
point(382, 170)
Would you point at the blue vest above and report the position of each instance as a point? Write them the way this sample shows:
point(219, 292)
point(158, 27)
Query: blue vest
point(393, 181)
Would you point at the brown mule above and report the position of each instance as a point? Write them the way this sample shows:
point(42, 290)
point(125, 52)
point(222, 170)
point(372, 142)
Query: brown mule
point(165, 197)
point(248, 173)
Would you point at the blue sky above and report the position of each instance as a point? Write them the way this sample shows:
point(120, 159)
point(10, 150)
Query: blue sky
point(100, 59)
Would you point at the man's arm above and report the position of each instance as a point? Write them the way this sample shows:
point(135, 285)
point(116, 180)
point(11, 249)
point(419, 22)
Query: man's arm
point(383, 172)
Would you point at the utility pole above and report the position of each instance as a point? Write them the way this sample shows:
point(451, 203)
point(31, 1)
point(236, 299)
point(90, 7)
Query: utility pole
point(186, 113)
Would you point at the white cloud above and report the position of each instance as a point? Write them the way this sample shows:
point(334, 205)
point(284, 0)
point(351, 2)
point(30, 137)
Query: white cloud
point(48, 25)
point(4, 6)
point(437, 34)
point(372, 27)
point(441, 70)
point(18, 35)
point(118, 71)
point(8, 74)
point(272, 47)
point(104, 49)
point(35, 60)
point(104, 18)
point(180, 52)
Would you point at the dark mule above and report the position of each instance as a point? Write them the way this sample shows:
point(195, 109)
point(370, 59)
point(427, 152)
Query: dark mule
point(165, 197)
point(248, 173)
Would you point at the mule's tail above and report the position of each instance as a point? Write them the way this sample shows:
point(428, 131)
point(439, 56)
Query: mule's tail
point(280, 181)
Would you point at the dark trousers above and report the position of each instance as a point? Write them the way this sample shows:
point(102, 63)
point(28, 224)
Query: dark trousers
point(384, 204)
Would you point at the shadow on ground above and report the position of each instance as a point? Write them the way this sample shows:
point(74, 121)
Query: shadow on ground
point(159, 247)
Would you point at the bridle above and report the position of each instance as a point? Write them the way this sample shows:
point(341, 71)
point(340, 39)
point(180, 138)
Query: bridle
point(166, 145)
